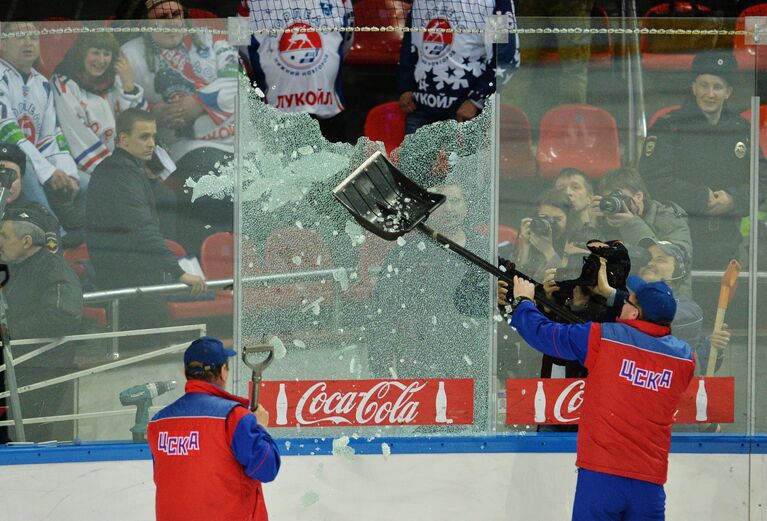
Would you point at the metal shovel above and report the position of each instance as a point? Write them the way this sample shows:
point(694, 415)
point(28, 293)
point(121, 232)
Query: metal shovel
point(253, 357)
point(387, 203)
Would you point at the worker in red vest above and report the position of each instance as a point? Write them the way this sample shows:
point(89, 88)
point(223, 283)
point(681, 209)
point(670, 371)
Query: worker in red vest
point(211, 453)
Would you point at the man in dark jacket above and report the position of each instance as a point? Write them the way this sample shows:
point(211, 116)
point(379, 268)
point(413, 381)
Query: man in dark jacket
point(44, 300)
point(124, 239)
point(699, 156)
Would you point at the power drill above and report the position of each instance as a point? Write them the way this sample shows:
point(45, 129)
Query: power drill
point(141, 396)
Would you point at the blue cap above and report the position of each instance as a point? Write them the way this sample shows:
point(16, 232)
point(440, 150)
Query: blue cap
point(208, 351)
point(655, 298)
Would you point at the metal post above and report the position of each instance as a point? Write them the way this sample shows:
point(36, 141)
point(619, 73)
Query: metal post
point(752, 263)
point(114, 312)
point(494, 219)
point(13, 389)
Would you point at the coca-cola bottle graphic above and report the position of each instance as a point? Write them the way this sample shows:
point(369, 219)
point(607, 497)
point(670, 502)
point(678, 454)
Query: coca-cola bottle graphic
point(282, 406)
point(701, 402)
point(441, 403)
point(539, 404)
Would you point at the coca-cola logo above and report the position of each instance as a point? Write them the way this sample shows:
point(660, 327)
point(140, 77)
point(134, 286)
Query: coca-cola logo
point(569, 401)
point(373, 406)
point(370, 402)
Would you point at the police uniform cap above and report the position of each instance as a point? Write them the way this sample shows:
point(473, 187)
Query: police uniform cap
point(12, 153)
point(34, 214)
point(716, 63)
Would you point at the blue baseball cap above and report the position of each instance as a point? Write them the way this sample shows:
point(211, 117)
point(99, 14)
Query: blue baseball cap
point(655, 298)
point(208, 351)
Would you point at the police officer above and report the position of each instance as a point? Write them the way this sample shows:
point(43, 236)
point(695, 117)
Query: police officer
point(210, 453)
point(699, 156)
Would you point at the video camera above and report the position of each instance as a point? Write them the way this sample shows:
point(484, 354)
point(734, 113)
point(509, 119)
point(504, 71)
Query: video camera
point(618, 268)
point(613, 202)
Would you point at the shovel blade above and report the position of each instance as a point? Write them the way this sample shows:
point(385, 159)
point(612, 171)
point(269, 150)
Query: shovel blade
point(258, 357)
point(383, 200)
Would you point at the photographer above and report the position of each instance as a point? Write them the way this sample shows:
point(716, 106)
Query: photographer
point(542, 238)
point(626, 210)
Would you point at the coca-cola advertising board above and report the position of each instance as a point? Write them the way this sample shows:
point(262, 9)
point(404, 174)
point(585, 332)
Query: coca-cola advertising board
point(369, 402)
point(557, 401)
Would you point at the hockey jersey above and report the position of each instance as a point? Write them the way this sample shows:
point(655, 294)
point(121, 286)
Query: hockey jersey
point(28, 119)
point(88, 119)
point(444, 69)
point(206, 67)
point(300, 72)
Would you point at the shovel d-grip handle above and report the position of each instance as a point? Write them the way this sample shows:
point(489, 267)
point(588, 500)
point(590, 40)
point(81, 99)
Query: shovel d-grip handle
point(257, 367)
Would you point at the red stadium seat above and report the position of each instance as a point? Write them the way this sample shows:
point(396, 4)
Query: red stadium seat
point(660, 113)
point(176, 248)
point(77, 258)
point(201, 14)
point(372, 254)
point(580, 136)
point(517, 158)
point(378, 47)
point(744, 53)
point(386, 123)
point(53, 47)
point(506, 234)
point(658, 17)
point(217, 256)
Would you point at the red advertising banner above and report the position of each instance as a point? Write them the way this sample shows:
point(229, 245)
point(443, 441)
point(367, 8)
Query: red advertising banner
point(369, 402)
point(556, 401)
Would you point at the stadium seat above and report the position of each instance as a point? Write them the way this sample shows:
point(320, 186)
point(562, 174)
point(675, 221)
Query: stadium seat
point(506, 234)
point(517, 158)
point(661, 16)
point(217, 256)
point(201, 14)
point(53, 47)
point(292, 249)
point(378, 47)
point(580, 136)
point(386, 123)
point(660, 113)
point(372, 255)
point(79, 260)
point(746, 54)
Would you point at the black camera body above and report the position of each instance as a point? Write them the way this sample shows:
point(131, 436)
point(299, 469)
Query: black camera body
point(7, 176)
point(613, 202)
point(618, 268)
point(541, 225)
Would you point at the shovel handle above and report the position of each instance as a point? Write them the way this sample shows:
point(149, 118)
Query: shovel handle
point(507, 276)
point(257, 368)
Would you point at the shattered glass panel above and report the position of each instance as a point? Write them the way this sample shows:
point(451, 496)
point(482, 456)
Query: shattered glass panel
point(340, 303)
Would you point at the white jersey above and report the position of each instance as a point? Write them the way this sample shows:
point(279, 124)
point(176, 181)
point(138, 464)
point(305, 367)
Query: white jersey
point(28, 119)
point(88, 119)
point(208, 71)
point(300, 72)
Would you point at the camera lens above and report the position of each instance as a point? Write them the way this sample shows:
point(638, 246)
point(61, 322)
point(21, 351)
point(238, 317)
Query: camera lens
point(540, 226)
point(610, 204)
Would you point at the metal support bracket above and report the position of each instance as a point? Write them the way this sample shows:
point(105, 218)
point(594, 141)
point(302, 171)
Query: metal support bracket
point(497, 28)
point(239, 30)
point(756, 27)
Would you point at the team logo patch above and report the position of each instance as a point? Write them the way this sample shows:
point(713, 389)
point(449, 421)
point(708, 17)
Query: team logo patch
point(300, 51)
point(740, 150)
point(649, 145)
point(437, 44)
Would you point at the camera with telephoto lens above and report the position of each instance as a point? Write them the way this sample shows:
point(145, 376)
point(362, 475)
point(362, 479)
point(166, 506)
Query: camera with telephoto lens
point(7, 177)
point(618, 269)
point(541, 225)
point(613, 202)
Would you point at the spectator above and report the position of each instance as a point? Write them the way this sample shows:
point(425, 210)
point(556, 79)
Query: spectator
point(190, 80)
point(700, 154)
point(124, 238)
point(92, 84)
point(542, 239)
point(44, 299)
point(229, 454)
point(574, 48)
point(301, 72)
point(28, 119)
point(13, 160)
point(578, 188)
point(449, 75)
point(636, 217)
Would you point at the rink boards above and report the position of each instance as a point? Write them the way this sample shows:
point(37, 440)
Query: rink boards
point(496, 478)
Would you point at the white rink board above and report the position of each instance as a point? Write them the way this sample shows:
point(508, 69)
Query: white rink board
point(490, 487)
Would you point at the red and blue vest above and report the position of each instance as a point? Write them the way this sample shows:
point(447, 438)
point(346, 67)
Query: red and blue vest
point(196, 473)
